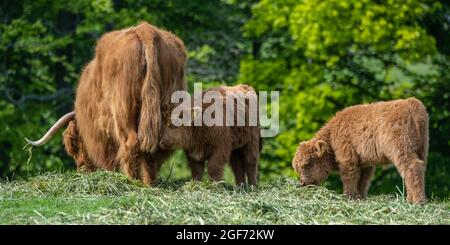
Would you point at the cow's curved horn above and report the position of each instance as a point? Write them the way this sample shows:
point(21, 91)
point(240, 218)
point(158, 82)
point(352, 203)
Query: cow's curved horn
point(64, 120)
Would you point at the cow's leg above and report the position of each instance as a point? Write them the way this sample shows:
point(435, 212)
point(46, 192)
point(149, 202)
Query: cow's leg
point(197, 168)
point(75, 148)
point(133, 161)
point(127, 155)
point(250, 155)
point(145, 170)
point(412, 171)
point(364, 181)
point(238, 167)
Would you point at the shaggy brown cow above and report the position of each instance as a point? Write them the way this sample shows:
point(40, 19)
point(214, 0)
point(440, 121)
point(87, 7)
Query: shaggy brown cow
point(119, 100)
point(238, 145)
point(362, 136)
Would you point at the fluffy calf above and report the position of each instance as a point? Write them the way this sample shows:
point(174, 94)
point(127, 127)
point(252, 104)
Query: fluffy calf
point(238, 145)
point(363, 136)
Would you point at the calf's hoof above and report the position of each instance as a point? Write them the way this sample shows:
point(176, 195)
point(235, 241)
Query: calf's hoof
point(416, 200)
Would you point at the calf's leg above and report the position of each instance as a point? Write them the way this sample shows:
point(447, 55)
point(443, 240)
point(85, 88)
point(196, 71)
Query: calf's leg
point(251, 159)
point(412, 171)
point(238, 167)
point(197, 168)
point(151, 165)
point(364, 181)
point(349, 170)
point(216, 164)
point(350, 176)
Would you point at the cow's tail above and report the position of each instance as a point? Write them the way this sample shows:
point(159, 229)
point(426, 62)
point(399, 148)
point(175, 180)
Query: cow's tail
point(150, 114)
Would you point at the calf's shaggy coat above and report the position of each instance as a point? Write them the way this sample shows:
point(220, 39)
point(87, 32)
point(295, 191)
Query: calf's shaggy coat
point(360, 137)
point(238, 145)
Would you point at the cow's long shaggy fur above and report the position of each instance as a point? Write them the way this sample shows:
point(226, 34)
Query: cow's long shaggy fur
point(238, 145)
point(362, 136)
point(119, 100)
point(75, 148)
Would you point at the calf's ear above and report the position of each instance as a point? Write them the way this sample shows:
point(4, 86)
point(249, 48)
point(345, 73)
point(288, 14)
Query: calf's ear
point(320, 148)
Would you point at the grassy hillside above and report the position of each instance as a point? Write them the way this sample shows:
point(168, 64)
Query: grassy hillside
point(109, 198)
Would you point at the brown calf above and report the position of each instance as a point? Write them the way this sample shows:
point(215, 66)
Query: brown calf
point(238, 145)
point(362, 136)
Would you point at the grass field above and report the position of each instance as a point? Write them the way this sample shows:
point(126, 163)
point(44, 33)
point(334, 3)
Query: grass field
point(109, 198)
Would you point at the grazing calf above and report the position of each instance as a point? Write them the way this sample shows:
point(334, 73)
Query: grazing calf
point(362, 136)
point(238, 145)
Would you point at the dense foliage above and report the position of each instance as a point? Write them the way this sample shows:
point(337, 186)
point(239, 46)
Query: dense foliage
point(322, 55)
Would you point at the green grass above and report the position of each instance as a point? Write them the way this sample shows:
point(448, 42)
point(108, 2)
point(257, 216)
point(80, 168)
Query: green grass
point(109, 198)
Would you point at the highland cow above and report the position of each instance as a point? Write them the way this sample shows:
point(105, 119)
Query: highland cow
point(119, 100)
point(360, 137)
point(238, 145)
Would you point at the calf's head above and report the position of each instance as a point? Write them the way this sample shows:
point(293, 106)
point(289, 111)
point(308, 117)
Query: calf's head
point(175, 136)
point(313, 162)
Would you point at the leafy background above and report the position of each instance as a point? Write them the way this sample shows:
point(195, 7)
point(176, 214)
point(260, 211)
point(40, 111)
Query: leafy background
point(322, 55)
